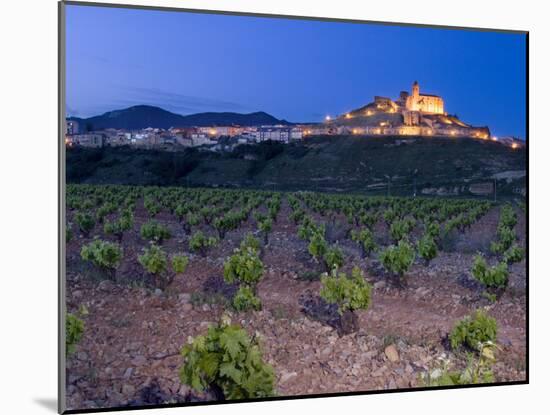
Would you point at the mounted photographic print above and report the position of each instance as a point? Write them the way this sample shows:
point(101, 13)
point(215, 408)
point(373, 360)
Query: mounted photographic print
point(260, 207)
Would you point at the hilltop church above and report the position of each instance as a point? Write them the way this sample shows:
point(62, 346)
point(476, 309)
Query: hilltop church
point(412, 114)
point(425, 103)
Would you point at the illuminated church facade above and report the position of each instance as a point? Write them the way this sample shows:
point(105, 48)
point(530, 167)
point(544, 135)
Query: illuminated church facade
point(425, 103)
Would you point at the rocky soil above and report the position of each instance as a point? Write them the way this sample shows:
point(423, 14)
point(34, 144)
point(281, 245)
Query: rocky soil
point(129, 354)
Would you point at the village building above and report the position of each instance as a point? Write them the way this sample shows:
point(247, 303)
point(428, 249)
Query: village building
point(94, 140)
point(72, 127)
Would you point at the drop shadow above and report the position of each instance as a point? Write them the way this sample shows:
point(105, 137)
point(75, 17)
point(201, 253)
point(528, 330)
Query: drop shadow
point(48, 403)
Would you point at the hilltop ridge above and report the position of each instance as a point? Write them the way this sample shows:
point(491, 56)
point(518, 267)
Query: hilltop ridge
point(438, 166)
point(144, 116)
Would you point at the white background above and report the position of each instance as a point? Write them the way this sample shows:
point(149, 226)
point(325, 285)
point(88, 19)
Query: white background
point(28, 203)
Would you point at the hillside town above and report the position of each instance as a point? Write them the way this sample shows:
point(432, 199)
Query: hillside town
point(412, 114)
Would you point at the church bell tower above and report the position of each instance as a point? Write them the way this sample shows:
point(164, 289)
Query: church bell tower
point(415, 89)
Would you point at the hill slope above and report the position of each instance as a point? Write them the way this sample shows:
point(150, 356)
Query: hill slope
point(143, 116)
point(338, 164)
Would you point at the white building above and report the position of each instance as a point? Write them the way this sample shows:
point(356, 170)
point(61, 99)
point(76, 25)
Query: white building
point(89, 140)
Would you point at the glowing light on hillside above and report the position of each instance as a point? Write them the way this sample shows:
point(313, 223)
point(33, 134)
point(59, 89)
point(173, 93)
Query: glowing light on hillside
point(495, 138)
point(429, 132)
point(327, 118)
point(369, 112)
point(453, 132)
point(514, 145)
point(348, 116)
point(212, 131)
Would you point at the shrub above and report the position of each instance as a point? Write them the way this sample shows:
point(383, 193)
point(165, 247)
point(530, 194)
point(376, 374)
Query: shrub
point(119, 226)
point(297, 215)
point(244, 267)
point(228, 360)
point(308, 228)
point(349, 293)
point(433, 230)
point(514, 254)
point(249, 241)
point(398, 258)
point(265, 227)
point(472, 331)
point(74, 329)
point(151, 205)
point(367, 219)
point(366, 239)
point(191, 219)
point(154, 260)
point(179, 263)
point(105, 255)
point(245, 300)
point(400, 229)
point(389, 215)
point(104, 210)
point(506, 237)
point(207, 214)
point(427, 248)
point(180, 211)
point(231, 220)
point(508, 217)
point(493, 277)
point(85, 222)
point(333, 258)
point(201, 243)
point(317, 246)
point(477, 370)
point(154, 231)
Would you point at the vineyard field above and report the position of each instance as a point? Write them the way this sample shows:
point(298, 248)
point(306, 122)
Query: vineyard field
point(341, 292)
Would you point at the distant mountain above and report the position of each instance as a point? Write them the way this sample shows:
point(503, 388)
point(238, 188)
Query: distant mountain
point(143, 116)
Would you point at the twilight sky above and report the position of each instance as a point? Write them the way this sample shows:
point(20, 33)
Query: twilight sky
point(293, 69)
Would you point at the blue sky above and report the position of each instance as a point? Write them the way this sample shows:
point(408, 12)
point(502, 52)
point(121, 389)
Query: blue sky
point(299, 70)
